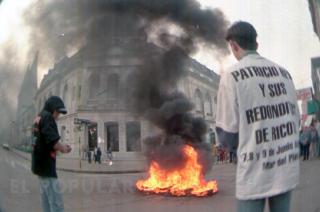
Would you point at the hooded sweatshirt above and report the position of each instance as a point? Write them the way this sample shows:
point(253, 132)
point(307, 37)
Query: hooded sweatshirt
point(47, 135)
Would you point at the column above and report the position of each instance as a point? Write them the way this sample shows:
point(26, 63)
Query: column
point(122, 137)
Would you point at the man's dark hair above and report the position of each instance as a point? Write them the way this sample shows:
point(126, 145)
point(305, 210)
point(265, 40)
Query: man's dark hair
point(244, 34)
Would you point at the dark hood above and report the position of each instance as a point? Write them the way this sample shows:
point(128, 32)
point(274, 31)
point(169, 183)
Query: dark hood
point(55, 103)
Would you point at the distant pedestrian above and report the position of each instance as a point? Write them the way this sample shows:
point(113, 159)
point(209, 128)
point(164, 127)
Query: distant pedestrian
point(95, 155)
point(99, 153)
point(221, 153)
point(233, 156)
point(215, 153)
point(305, 143)
point(300, 142)
point(84, 152)
point(109, 155)
point(44, 153)
point(314, 137)
point(318, 143)
point(89, 156)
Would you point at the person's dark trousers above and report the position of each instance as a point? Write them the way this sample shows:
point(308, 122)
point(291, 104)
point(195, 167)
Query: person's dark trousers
point(231, 157)
point(306, 151)
point(278, 203)
point(89, 157)
point(302, 149)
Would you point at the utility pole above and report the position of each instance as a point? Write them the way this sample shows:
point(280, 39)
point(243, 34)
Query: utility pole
point(80, 123)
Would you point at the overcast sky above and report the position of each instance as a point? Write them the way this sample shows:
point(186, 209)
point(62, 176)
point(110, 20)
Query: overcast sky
point(285, 33)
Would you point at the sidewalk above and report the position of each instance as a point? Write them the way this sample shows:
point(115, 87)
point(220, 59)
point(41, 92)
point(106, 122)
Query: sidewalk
point(73, 165)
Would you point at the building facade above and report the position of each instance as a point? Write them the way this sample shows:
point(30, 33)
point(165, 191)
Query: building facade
point(315, 75)
point(314, 6)
point(93, 81)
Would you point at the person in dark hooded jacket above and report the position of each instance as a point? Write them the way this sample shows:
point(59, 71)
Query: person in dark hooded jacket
point(44, 152)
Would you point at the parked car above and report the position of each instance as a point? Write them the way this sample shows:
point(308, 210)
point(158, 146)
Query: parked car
point(6, 146)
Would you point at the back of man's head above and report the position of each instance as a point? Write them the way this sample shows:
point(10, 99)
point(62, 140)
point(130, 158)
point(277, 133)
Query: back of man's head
point(244, 34)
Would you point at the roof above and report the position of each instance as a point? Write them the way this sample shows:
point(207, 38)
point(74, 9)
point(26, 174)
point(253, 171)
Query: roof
point(67, 63)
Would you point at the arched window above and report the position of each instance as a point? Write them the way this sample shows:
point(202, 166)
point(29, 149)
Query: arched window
point(133, 135)
point(94, 85)
point(208, 105)
point(113, 86)
point(63, 133)
point(73, 93)
point(198, 101)
point(112, 136)
point(65, 95)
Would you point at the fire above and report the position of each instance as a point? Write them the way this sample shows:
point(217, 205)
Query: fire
point(188, 180)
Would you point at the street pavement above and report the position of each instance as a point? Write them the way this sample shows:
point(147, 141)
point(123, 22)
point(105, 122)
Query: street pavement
point(19, 190)
point(74, 165)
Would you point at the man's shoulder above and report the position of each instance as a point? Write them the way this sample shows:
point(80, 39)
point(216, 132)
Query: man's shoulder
point(251, 61)
point(46, 117)
point(44, 114)
point(232, 68)
point(239, 65)
point(227, 74)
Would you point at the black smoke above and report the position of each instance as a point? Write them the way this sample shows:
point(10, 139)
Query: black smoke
point(59, 26)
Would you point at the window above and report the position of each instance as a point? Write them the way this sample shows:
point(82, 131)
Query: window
point(73, 92)
point(198, 101)
point(133, 135)
point(65, 96)
point(65, 93)
point(79, 91)
point(94, 87)
point(215, 100)
point(63, 134)
point(113, 86)
point(208, 105)
point(112, 136)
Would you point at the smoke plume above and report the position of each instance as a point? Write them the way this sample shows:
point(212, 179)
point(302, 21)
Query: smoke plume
point(59, 27)
point(10, 78)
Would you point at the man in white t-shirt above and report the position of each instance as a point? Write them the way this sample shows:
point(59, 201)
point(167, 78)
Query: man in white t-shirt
point(257, 113)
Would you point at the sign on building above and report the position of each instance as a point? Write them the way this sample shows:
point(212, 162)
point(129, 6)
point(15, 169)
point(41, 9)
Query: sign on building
point(304, 94)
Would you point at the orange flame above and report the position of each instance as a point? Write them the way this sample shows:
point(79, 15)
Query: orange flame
point(188, 180)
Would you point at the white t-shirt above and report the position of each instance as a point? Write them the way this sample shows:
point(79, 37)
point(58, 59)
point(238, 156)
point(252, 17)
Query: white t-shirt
point(257, 99)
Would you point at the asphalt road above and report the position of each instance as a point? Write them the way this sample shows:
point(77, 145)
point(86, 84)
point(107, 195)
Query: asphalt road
point(19, 191)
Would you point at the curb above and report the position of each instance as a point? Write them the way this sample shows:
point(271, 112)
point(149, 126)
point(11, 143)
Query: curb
point(85, 171)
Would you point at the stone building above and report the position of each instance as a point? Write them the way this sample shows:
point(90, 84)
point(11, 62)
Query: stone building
point(314, 6)
point(92, 81)
point(315, 76)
